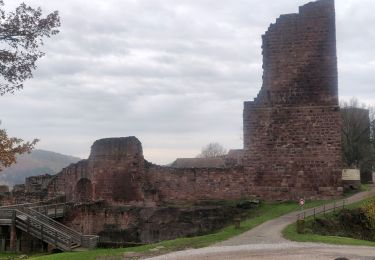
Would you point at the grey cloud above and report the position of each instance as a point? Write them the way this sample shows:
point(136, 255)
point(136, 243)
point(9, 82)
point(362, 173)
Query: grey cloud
point(173, 73)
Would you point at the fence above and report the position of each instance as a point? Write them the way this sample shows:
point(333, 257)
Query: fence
point(336, 205)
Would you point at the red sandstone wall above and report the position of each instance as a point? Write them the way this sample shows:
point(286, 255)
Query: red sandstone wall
point(299, 58)
point(188, 185)
point(65, 182)
point(293, 151)
point(114, 172)
point(93, 219)
point(292, 129)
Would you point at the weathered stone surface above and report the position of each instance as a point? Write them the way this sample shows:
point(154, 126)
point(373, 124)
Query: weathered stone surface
point(118, 224)
point(194, 184)
point(37, 183)
point(292, 129)
point(114, 172)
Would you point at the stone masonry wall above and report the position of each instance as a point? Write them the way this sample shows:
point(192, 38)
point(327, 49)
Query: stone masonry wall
point(114, 172)
point(292, 129)
point(194, 184)
point(299, 58)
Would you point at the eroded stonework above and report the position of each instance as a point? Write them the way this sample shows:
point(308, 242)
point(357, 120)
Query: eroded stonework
point(292, 129)
point(114, 172)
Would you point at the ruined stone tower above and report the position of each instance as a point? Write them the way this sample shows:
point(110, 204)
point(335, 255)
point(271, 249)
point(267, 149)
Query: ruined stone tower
point(114, 172)
point(292, 128)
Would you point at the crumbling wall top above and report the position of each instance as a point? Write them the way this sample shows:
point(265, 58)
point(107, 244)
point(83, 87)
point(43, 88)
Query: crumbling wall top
point(299, 58)
point(116, 148)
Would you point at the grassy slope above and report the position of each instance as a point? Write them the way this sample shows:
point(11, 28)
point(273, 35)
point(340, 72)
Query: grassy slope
point(266, 212)
point(290, 233)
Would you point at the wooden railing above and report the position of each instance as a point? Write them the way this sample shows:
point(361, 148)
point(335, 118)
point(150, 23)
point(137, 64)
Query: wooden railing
point(75, 236)
point(52, 211)
point(38, 229)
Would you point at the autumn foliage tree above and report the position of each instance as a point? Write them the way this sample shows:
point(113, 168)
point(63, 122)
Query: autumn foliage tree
point(10, 147)
point(21, 36)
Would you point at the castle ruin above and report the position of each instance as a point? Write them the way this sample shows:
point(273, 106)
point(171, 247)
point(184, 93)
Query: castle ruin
point(292, 146)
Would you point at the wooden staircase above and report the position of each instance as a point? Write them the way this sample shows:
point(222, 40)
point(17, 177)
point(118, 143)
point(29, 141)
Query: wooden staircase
point(38, 222)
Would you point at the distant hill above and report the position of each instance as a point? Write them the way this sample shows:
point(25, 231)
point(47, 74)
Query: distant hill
point(36, 163)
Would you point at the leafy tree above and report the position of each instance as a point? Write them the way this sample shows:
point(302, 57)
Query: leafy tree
point(212, 150)
point(21, 36)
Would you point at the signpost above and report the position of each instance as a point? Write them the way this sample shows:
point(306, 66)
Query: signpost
point(301, 203)
point(301, 222)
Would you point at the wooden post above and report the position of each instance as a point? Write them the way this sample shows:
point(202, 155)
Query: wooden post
point(18, 245)
point(28, 225)
point(314, 214)
point(3, 244)
point(334, 206)
point(13, 233)
point(41, 232)
point(301, 226)
point(324, 209)
point(237, 223)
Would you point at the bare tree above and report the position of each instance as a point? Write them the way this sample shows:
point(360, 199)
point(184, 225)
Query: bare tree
point(357, 137)
point(212, 150)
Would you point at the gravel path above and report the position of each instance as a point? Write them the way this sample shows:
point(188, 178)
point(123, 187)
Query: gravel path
point(266, 242)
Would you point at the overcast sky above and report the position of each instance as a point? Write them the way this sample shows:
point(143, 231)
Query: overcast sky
point(174, 73)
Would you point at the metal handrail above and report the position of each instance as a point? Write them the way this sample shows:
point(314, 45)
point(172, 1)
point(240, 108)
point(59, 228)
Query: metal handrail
point(322, 209)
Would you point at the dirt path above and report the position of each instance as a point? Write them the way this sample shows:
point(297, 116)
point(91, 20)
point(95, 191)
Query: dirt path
point(266, 242)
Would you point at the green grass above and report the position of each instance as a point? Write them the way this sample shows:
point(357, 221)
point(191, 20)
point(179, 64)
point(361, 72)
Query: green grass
point(265, 212)
point(290, 232)
point(362, 188)
point(7, 255)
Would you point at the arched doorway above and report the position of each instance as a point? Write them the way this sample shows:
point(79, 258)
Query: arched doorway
point(83, 190)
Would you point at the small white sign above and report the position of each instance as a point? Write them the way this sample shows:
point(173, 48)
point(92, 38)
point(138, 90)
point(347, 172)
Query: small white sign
point(351, 175)
point(301, 202)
